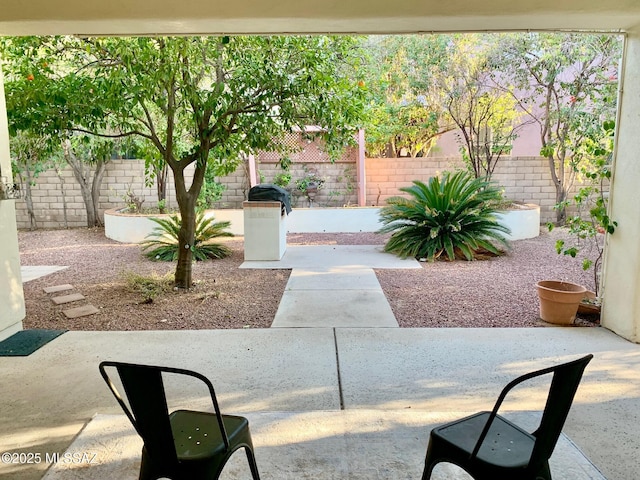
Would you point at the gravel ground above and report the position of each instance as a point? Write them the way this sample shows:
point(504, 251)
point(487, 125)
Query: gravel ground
point(499, 292)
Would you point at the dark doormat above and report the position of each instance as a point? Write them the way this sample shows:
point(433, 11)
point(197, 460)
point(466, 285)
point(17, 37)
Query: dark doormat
point(25, 342)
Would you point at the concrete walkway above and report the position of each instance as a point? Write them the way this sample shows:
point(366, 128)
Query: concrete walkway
point(33, 272)
point(334, 286)
point(334, 297)
point(326, 256)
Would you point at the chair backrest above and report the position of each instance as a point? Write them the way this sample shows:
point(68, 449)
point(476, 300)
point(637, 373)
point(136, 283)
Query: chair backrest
point(565, 381)
point(149, 412)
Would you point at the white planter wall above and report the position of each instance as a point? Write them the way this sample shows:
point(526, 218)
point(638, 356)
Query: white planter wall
point(524, 223)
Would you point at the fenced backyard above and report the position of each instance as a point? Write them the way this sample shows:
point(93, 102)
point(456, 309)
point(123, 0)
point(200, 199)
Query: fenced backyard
point(524, 179)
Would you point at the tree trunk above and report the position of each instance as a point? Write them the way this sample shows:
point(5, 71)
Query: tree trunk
point(186, 204)
point(98, 175)
point(64, 196)
point(85, 191)
point(161, 182)
point(556, 167)
point(185, 243)
point(82, 173)
point(561, 211)
point(28, 198)
point(186, 236)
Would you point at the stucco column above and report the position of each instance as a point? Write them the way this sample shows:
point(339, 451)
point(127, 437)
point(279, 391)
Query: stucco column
point(621, 272)
point(12, 310)
point(361, 174)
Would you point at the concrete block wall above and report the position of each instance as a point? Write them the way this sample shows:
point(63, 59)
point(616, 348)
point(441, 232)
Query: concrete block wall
point(339, 188)
point(47, 201)
point(524, 179)
point(527, 179)
point(119, 177)
point(385, 176)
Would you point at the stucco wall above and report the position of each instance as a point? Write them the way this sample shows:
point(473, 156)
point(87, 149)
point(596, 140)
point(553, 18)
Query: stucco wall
point(12, 307)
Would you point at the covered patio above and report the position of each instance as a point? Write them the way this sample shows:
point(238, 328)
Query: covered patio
point(323, 403)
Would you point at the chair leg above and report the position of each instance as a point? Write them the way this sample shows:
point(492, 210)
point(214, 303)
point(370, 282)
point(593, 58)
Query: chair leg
point(430, 460)
point(544, 473)
point(429, 465)
point(252, 462)
point(146, 469)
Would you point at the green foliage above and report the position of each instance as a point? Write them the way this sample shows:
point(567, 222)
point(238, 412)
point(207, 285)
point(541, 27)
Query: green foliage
point(342, 197)
point(150, 287)
point(283, 178)
point(132, 201)
point(591, 222)
point(452, 215)
point(164, 243)
point(569, 85)
point(203, 101)
point(310, 180)
point(211, 191)
point(486, 115)
point(404, 113)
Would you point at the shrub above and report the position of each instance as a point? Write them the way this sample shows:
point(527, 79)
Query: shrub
point(164, 243)
point(149, 286)
point(452, 215)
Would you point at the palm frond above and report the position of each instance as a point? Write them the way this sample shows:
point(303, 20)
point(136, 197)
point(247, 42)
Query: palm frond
point(452, 215)
point(163, 240)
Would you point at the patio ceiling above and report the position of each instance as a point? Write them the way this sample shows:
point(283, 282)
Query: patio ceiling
point(282, 16)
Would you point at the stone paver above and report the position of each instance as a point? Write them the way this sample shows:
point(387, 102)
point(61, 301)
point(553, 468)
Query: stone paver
point(58, 288)
point(62, 299)
point(82, 311)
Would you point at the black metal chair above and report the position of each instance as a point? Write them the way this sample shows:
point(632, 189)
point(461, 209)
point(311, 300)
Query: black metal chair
point(489, 447)
point(183, 445)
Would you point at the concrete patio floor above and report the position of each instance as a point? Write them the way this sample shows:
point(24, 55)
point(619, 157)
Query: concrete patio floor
point(323, 403)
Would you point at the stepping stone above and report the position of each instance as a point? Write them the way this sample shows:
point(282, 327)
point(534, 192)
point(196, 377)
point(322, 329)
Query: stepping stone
point(73, 297)
point(58, 288)
point(80, 311)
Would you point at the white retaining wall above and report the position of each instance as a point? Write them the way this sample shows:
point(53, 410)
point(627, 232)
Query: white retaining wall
point(524, 222)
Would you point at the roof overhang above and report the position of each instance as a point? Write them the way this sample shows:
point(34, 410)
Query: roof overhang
point(148, 17)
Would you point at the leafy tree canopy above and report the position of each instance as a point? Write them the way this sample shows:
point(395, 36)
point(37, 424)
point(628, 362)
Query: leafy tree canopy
point(404, 109)
point(568, 85)
point(202, 101)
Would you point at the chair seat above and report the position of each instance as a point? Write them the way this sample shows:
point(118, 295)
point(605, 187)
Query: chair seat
point(506, 445)
point(506, 451)
point(197, 434)
point(183, 445)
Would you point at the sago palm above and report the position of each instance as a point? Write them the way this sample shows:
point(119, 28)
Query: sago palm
point(453, 215)
point(163, 243)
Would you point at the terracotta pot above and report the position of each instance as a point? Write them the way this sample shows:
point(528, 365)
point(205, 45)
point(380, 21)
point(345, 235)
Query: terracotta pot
point(559, 301)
